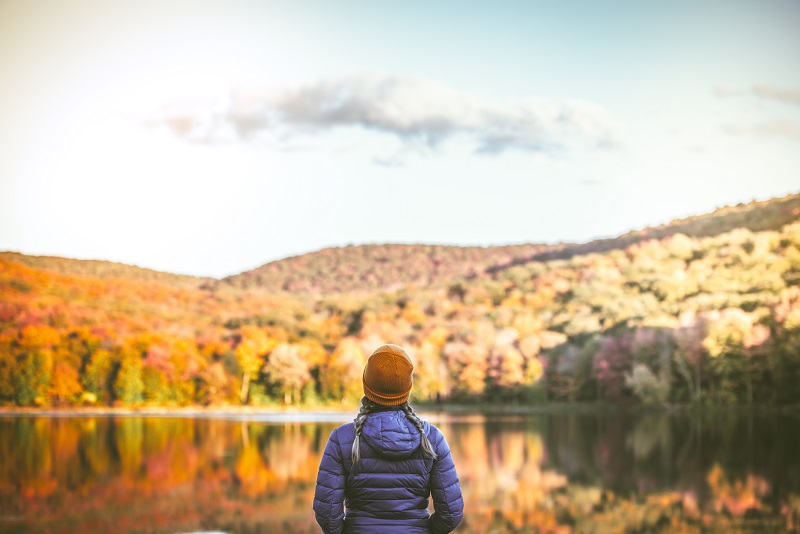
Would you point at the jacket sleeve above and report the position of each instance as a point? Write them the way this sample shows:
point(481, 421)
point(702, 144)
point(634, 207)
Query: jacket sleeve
point(448, 504)
point(329, 493)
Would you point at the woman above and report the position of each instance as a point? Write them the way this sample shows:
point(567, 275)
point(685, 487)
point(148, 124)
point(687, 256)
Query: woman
point(383, 466)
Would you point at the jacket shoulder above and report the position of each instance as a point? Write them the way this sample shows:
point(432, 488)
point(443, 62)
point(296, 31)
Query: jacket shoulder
point(343, 433)
point(435, 436)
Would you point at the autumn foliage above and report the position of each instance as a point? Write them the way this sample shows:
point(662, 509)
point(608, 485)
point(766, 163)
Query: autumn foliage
point(556, 473)
point(705, 310)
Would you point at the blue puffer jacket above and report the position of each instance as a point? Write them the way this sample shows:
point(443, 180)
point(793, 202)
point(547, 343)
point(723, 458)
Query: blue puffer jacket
point(387, 491)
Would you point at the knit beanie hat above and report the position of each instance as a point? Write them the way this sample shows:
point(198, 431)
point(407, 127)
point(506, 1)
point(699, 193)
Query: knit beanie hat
point(387, 376)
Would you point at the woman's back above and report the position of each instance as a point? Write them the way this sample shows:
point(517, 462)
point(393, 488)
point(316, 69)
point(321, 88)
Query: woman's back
point(383, 466)
point(388, 489)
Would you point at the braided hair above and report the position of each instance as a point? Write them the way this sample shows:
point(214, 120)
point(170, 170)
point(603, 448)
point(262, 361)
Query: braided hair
point(427, 448)
point(361, 418)
point(366, 407)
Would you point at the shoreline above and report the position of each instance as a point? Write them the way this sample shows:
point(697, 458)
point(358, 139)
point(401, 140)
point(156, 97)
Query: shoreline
point(332, 412)
point(170, 411)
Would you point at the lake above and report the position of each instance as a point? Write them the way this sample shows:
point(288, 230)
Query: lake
point(587, 472)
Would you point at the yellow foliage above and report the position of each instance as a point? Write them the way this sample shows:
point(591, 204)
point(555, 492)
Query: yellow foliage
point(64, 383)
point(39, 336)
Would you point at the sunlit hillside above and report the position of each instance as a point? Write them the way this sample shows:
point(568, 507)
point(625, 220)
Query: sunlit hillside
point(703, 310)
point(103, 269)
point(389, 267)
point(379, 267)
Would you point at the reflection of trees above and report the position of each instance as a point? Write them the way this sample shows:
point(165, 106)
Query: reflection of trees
point(287, 450)
point(642, 473)
point(736, 496)
point(275, 458)
point(128, 441)
point(575, 473)
point(500, 471)
point(655, 452)
point(133, 474)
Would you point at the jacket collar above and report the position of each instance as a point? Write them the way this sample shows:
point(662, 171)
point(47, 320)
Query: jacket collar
point(379, 408)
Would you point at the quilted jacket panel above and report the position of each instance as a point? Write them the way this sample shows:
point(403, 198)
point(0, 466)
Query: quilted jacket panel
point(388, 490)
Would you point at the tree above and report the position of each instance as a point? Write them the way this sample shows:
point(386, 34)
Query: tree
point(35, 364)
point(340, 378)
point(469, 365)
point(651, 389)
point(570, 370)
point(97, 377)
point(733, 343)
point(287, 368)
point(128, 387)
point(156, 388)
point(156, 366)
point(508, 367)
point(32, 380)
point(8, 368)
point(184, 358)
point(250, 352)
point(612, 362)
point(64, 384)
point(429, 376)
point(785, 359)
point(690, 356)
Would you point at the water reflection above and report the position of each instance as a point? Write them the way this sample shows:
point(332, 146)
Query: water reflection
point(543, 473)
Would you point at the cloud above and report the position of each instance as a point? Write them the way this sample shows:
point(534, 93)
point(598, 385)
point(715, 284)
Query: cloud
point(773, 128)
point(414, 110)
point(785, 95)
point(201, 121)
point(781, 94)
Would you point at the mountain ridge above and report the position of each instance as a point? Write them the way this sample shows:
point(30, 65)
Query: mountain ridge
point(667, 319)
point(443, 263)
point(387, 267)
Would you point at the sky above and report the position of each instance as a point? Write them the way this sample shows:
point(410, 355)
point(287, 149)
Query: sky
point(209, 138)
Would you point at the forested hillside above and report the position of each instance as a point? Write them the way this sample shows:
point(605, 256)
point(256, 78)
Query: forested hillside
point(388, 267)
point(103, 269)
point(704, 310)
point(379, 267)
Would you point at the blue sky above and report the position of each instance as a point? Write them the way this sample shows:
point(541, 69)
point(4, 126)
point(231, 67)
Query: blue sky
point(211, 137)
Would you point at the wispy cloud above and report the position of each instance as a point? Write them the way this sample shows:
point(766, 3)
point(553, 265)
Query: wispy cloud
point(786, 95)
point(781, 94)
point(776, 128)
point(417, 111)
point(785, 126)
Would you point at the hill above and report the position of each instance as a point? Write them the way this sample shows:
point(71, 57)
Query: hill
point(704, 310)
point(103, 269)
point(755, 216)
point(368, 268)
point(388, 267)
point(378, 267)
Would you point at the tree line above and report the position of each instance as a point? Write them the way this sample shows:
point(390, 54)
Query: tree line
point(678, 319)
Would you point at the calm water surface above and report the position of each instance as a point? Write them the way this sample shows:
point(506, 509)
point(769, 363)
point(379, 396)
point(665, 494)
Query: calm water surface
point(534, 473)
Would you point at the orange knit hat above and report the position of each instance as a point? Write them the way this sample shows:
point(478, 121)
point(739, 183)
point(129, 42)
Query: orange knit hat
point(387, 376)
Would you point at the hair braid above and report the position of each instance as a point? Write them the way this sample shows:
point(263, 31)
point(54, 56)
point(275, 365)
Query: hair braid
point(425, 443)
point(361, 418)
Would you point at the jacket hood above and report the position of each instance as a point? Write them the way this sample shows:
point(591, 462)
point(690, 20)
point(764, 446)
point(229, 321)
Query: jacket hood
point(391, 434)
